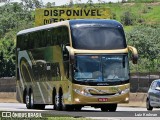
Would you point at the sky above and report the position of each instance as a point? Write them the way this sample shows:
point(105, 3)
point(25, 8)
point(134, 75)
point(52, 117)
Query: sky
point(63, 2)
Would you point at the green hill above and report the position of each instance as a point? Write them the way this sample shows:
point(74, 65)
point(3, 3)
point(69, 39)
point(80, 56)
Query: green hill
point(141, 13)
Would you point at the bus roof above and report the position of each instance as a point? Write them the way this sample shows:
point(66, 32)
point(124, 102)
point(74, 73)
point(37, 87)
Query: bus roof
point(43, 27)
point(108, 23)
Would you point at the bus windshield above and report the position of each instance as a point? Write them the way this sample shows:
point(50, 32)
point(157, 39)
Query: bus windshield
point(101, 68)
point(98, 38)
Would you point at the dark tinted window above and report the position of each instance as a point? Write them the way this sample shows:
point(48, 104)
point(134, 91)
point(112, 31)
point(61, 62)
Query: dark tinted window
point(158, 84)
point(22, 42)
point(153, 85)
point(43, 38)
point(98, 38)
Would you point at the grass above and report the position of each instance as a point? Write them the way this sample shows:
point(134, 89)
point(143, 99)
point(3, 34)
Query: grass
point(144, 11)
point(153, 16)
point(47, 116)
point(67, 118)
point(147, 12)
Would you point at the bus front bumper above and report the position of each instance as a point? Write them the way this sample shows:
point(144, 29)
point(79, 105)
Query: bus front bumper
point(82, 98)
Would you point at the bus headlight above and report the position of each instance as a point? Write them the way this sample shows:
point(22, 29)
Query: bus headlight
point(125, 91)
point(82, 92)
point(77, 100)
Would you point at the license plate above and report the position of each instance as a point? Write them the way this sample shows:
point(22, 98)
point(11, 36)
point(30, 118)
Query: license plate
point(102, 99)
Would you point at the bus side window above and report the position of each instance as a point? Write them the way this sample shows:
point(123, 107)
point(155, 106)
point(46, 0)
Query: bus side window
point(30, 43)
point(19, 39)
point(24, 42)
point(40, 40)
point(56, 36)
point(36, 40)
point(59, 36)
point(49, 37)
point(52, 36)
point(43, 39)
point(65, 42)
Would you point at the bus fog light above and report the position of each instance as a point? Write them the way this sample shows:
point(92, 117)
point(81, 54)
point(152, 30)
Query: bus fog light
point(127, 99)
point(77, 100)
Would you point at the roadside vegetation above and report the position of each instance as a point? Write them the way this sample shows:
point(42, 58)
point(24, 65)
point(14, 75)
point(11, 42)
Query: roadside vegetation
point(139, 17)
point(67, 118)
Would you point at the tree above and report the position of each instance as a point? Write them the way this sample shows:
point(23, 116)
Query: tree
point(31, 4)
point(90, 2)
point(146, 39)
point(71, 3)
point(128, 18)
point(37, 4)
point(13, 18)
point(123, 1)
point(49, 5)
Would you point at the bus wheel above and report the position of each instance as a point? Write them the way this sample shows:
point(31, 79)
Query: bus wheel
point(29, 101)
point(58, 102)
point(64, 106)
point(112, 107)
point(54, 99)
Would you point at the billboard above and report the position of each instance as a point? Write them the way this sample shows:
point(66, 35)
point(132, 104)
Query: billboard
point(50, 15)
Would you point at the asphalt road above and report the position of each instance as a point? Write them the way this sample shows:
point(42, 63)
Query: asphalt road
point(122, 113)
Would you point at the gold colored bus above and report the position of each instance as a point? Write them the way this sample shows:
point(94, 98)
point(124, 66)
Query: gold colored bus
point(74, 63)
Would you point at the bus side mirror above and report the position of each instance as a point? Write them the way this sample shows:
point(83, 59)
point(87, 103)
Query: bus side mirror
point(133, 54)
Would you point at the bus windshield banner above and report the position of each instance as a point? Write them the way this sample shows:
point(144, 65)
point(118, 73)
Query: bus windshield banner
point(50, 15)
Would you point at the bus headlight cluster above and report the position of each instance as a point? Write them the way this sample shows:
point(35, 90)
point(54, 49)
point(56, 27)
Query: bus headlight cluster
point(77, 100)
point(82, 92)
point(125, 91)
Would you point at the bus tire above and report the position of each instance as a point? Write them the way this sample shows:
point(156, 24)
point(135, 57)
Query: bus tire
point(30, 101)
point(54, 99)
point(24, 96)
point(64, 106)
point(112, 107)
point(58, 102)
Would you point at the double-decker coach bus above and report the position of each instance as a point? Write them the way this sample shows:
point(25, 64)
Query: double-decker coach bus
point(69, 64)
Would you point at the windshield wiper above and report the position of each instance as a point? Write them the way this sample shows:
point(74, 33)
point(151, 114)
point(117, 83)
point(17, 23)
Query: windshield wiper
point(86, 80)
point(114, 79)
